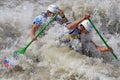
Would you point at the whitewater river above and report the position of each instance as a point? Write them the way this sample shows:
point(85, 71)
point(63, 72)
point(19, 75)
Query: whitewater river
point(47, 58)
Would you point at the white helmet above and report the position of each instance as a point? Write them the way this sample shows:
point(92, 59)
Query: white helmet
point(53, 8)
point(88, 26)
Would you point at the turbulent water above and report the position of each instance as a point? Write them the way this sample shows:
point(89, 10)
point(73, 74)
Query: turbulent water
point(46, 58)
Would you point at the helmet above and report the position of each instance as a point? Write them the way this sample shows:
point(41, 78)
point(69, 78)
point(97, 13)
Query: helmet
point(87, 25)
point(53, 8)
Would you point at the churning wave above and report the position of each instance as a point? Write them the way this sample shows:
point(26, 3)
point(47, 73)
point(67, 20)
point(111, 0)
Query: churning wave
point(47, 58)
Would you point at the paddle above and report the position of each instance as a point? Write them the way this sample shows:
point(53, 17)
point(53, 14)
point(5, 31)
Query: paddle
point(103, 40)
point(13, 60)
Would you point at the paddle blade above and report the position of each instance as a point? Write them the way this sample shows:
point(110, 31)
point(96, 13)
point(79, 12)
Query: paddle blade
point(20, 51)
point(12, 60)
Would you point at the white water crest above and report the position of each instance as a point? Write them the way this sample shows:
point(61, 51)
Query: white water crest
point(47, 58)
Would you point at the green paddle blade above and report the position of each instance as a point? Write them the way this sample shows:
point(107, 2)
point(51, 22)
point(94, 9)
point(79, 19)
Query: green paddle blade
point(20, 51)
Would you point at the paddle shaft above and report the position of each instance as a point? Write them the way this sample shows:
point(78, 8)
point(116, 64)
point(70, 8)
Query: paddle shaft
point(42, 29)
point(103, 40)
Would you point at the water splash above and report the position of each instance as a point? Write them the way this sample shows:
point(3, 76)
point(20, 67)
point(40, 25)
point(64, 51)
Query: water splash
point(46, 59)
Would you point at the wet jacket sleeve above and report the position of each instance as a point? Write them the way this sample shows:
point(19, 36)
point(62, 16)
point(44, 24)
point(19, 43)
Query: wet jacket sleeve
point(37, 21)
